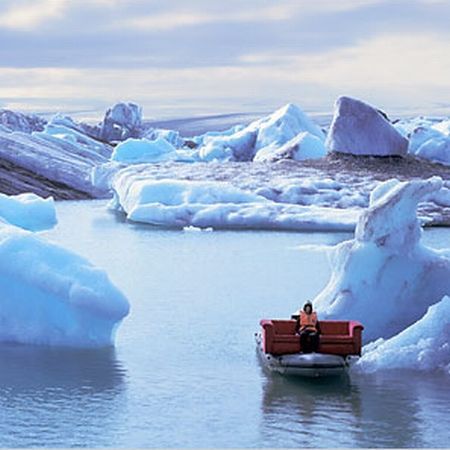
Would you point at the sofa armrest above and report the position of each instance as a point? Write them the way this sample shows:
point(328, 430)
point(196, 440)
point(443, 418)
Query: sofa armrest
point(268, 334)
point(355, 330)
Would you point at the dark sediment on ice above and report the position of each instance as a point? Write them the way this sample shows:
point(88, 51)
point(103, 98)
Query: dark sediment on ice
point(17, 180)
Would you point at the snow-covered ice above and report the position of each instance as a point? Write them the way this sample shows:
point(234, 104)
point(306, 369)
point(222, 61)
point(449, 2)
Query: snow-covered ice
point(425, 345)
point(301, 147)
point(204, 204)
point(385, 277)
point(51, 296)
point(28, 211)
point(436, 149)
point(360, 129)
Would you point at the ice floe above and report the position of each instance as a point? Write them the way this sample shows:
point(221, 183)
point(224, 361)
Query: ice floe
point(135, 151)
point(51, 296)
point(28, 211)
point(204, 204)
point(425, 345)
point(429, 137)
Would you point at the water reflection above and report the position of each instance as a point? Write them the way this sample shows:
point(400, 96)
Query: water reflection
point(32, 368)
point(389, 413)
point(310, 411)
point(349, 411)
point(38, 385)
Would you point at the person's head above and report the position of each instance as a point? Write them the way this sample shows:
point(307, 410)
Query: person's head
point(307, 307)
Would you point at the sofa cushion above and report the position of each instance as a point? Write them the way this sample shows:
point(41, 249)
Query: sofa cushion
point(286, 338)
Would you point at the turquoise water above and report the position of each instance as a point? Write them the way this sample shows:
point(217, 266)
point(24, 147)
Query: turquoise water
point(184, 372)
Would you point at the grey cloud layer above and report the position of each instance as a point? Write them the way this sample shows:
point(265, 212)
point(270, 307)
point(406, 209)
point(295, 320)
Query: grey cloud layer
point(232, 55)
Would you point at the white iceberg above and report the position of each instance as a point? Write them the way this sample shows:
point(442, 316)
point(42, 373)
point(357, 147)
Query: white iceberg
point(282, 126)
point(419, 136)
point(28, 211)
point(51, 296)
point(385, 277)
point(264, 135)
point(205, 204)
point(136, 151)
point(425, 345)
point(238, 146)
point(443, 126)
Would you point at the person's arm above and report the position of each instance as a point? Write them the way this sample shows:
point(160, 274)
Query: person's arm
point(297, 325)
point(318, 326)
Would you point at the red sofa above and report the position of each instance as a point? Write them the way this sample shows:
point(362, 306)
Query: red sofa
point(337, 337)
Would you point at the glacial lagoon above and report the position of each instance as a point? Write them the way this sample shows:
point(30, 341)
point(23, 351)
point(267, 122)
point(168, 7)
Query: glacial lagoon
point(184, 372)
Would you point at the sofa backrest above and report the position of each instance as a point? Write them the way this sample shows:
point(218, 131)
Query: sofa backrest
point(339, 327)
point(284, 326)
point(333, 327)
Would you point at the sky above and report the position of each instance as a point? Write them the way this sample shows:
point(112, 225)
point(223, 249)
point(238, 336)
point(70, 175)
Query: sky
point(181, 58)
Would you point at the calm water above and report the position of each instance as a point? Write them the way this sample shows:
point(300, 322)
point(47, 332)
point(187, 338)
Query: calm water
point(184, 372)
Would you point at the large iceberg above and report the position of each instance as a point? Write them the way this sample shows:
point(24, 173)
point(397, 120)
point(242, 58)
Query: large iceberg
point(51, 296)
point(28, 211)
point(360, 129)
point(204, 204)
point(65, 163)
point(425, 345)
point(385, 277)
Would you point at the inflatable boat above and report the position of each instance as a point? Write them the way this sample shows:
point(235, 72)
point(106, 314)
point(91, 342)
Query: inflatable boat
point(302, 364)
point(280, 350)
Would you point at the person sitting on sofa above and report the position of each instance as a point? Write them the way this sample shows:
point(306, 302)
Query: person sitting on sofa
point(308, 328)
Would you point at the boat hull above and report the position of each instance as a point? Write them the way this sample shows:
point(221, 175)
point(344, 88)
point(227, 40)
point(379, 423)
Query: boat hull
point(312, 365)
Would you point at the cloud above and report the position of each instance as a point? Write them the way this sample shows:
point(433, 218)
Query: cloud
point(281, 11)
point(26, 15)
point(391, 71)
point(383, 62)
